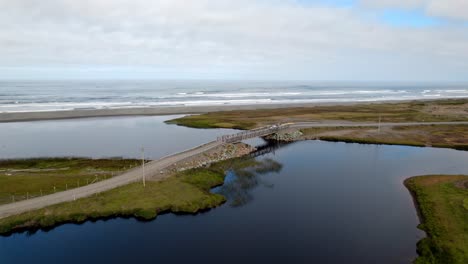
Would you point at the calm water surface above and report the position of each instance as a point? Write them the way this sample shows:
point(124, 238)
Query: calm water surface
point(325, 203)
point(100, 137)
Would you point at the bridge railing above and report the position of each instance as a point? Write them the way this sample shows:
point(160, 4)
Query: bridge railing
point(258, 132)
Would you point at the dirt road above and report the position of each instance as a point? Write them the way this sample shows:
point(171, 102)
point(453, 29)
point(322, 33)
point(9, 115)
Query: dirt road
point(152, 169)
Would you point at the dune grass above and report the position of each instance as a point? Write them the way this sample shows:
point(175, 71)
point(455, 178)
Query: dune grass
point(417, 111)
point(444, 217)
point(443, 136)
point(29, 178)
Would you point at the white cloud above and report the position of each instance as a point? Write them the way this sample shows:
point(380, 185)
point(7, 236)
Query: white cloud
point(406, 4)
point(455, 9)
point(452, 9)
point(256, 38)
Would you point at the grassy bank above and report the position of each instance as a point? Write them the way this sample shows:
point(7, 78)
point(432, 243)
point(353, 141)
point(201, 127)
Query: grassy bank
point(442, 202)
point(185, 192)
point(444, 136)
point(417, 111)
point(29, 178)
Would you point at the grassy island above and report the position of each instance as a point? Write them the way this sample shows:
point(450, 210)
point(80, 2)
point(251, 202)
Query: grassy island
point(441, 136)
point(452, 136)
point(442, 202)
point(416, 111)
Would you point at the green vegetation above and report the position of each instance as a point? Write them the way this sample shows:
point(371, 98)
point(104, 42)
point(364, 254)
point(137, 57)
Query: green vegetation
point(213, 120)
point(29, 178)
point(441, 201)
point(443, 136)
point(371, 141)
point(314, 131)
point(185, 192)
point(420, 111)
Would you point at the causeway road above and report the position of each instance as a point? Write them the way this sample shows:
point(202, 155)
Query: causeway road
point(153, 168)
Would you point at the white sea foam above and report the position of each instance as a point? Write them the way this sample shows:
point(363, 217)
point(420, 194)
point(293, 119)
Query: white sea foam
point(68, 96)
point(452, 91)
point(236, 95)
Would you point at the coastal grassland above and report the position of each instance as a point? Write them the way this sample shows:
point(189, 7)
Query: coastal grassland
point(187, 192)
point(184, 192)
point(28, 178)
point(441, 202)
point(444, 136)
point(415, 111)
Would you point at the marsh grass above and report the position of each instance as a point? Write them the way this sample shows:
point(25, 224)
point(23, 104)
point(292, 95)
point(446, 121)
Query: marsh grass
point(185, 192)
point(29, 178)
point(417, 111)
point(442, 136)
point(188, 192)
point(444, 217)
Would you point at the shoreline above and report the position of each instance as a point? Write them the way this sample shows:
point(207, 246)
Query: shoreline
point(9, 117)
point(201, 179)
point(426, 191)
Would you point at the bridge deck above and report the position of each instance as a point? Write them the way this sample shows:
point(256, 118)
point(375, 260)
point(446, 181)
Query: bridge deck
point(258, 132)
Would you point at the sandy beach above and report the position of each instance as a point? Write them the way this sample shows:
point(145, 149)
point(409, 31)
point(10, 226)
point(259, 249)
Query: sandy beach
point(167, 110)
point(163, 110)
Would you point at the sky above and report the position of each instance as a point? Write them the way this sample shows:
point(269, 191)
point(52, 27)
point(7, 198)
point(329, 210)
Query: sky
point(317, 40)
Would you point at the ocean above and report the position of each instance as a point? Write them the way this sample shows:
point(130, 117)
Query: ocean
point(30, 96)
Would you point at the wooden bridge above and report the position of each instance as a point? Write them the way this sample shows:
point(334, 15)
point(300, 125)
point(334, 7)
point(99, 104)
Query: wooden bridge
point(248, 134)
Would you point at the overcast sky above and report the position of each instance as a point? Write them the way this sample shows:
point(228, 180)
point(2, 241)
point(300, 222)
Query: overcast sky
point(334, 40)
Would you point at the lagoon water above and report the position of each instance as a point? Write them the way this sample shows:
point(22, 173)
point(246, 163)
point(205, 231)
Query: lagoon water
point(328, 203)
point(101, 137)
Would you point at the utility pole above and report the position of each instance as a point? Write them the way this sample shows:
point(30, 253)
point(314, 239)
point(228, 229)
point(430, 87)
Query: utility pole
point(380, 120)
point(143, 165)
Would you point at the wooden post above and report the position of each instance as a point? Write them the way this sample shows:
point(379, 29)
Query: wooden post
point(143, 165)
point(380, 119)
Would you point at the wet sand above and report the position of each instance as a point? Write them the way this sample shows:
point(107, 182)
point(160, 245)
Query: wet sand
point(166, 110)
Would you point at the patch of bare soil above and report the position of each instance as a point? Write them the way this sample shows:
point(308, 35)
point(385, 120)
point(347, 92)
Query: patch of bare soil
point(447, 110)
point(462, 184)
